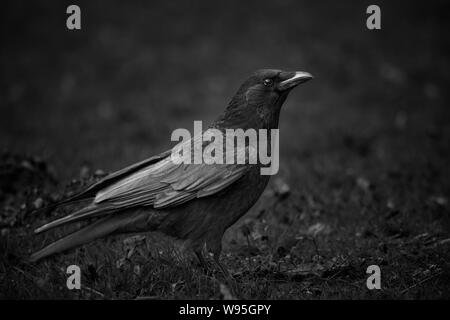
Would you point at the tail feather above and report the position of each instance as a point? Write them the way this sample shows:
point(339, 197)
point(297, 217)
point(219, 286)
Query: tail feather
point(86, 212)
point(98, 229)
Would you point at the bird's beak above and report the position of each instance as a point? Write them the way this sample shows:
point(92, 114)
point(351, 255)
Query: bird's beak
point(295, 78)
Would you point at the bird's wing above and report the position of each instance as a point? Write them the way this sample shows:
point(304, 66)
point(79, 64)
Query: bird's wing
point(159, 182)
point(167, 183)
point(111, 178)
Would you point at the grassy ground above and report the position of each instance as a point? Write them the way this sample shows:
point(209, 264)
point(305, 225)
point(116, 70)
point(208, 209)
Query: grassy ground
point(364, 173)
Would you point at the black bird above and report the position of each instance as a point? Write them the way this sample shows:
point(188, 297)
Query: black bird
point(196, 203)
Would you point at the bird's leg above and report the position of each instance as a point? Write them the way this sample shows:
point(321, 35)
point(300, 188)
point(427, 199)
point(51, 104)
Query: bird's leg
point(201, 259)
point(216, 250)
point(221, 267)
point(231, 282)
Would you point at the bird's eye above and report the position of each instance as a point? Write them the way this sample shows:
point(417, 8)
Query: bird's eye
point(268, 82)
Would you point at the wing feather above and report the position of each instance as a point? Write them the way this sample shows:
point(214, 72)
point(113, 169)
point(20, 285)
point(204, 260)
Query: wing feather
point(158, 182)
point(166, 183)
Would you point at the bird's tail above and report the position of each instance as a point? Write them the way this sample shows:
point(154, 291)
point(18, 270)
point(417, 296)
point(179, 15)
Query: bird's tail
point(90, 211)
point(99, 229)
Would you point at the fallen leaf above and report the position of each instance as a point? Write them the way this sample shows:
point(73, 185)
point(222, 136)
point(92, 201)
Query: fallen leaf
point(318, 228)
point(281, 188)
point(363, 183)
point(38, 203)
point(226, 293)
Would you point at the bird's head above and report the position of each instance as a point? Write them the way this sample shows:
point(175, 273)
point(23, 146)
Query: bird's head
point(258, 101)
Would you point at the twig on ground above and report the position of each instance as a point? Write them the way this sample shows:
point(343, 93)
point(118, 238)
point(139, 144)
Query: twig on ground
point(421, 282)
point(94, 291)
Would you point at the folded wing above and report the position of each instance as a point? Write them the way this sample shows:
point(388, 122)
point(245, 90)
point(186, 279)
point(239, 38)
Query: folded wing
point(159, 182)
point(168, 183)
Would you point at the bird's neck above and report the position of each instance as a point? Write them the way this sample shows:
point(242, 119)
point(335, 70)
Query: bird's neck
point(241, 114)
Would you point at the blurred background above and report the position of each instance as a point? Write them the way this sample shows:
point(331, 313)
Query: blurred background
point(364, 147)
point(112, 92)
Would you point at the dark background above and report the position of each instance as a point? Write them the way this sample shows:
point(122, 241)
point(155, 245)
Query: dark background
point(364, 147)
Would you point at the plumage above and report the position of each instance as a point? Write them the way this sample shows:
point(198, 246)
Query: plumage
point(192, 202)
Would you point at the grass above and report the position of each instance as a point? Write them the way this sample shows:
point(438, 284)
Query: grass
point(364, 175)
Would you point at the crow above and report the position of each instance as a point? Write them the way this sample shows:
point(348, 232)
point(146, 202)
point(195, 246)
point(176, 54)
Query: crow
point(195, 203)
